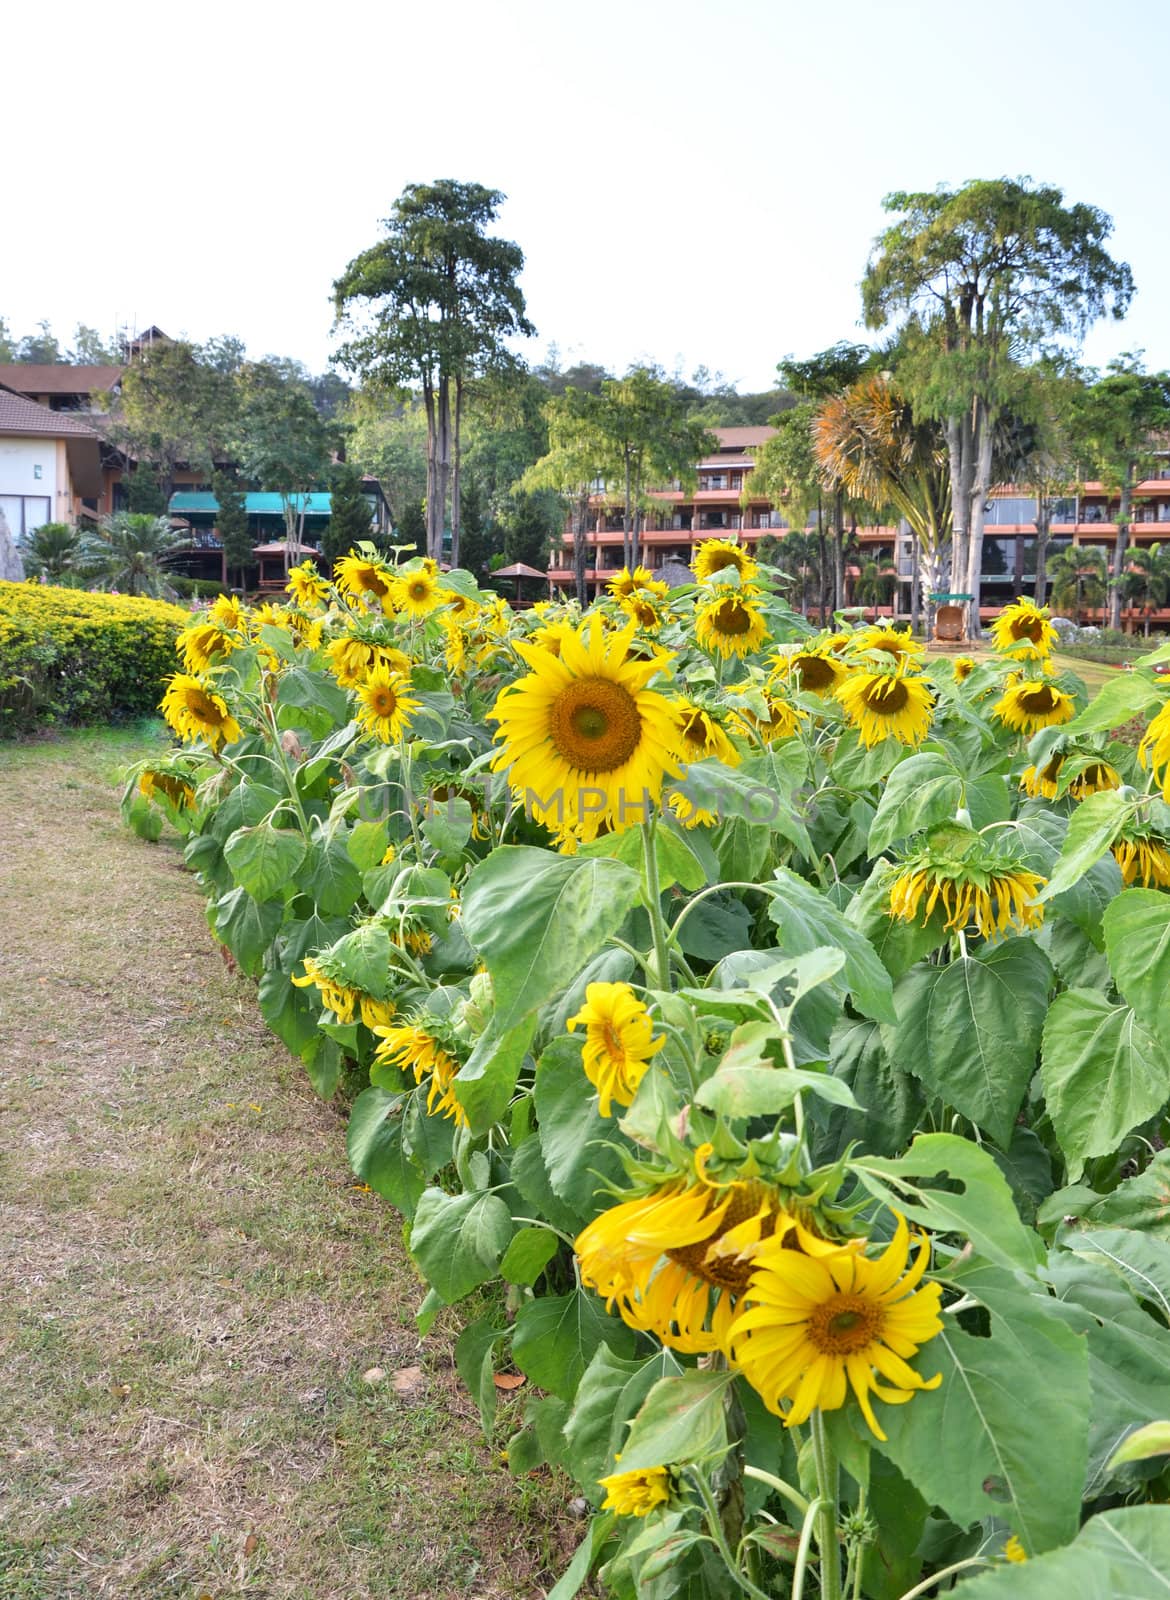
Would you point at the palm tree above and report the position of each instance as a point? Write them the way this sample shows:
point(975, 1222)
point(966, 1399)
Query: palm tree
point(1078, 576)
point(129, 553)
point(798, 556)
point(874, 584)
point(1146, 579)
point(52, 552)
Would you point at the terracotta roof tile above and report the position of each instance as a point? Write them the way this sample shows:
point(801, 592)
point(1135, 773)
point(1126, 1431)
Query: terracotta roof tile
point(28, 419)
point(58, 378)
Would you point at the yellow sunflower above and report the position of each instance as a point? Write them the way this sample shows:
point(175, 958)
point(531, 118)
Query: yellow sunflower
point(587, 742)
point(897, 642)
point(618, 1042)
point(202, 645)
point(1030, 704)
point(702, 737)
point(1092, 779)
point(675, 1260)
point(716, 555)
point(417, 594)
point(887, 705)
point(817, 1326)
point(645, 610)
point(365, 580)
point(1154, 749)
point(228, 611)
point(307, 586)
point(412, 1049)
point(1144, 858)
point(385, 705)
point(997, 895)
point(352, 660)
point(1023, 629)
point(1013, 1550)
point(337, 997)
point(816, 670)
point(731, 624)
point(636, 1493)
point(782, 722)
point(195, 713)
point(625, 584)
point(178, 791)
point(963, 667)
point(550, 634)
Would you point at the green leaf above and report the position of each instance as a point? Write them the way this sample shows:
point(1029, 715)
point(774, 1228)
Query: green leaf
point(681, 1419)
point(879, 1082)
point(529, 1253)
point(305, 932)
point(1141, 1259)
point(717, 927)
point(1122, 1554)
point(288, 1011)
point(575, 1139)
point(899, 944)
point(314, 692)
point(805, 919)
point(1092, 828)
point(753, 1091)
point(1041, 836)
point(475, 1362)
point(329, 876)
point(1143, 1443)
point(568, 1586)
point(458, 1239)
point(376, 1155)
point(922, 790)
point(556, 1337)
point(1103, 1075)
point(484, 1084)
point(362, 960)
point(977, 1205)
point(971, 1030)
point(1119, 701)
point(322, 1061)
point(447, 825)
point(677, 863)
point(536, 918)
point(1137, 942)
point(264, 859)
point(1018, 1401)
point(247, 927)
point(366, 844)
point(597, 1412)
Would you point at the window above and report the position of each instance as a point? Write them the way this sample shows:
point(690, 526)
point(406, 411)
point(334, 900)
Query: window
point(998, 557)
point(1013, 509)
point(24, 512)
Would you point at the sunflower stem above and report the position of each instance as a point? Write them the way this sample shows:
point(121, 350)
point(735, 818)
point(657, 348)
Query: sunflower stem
point(811, 1517)
point(826, 1521)
point(790, 1494)
point(715, 1524)
point(654, 905)
point(928, 1584)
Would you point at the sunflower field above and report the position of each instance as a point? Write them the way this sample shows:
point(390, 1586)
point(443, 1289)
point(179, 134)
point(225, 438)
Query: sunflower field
point(767, 1031)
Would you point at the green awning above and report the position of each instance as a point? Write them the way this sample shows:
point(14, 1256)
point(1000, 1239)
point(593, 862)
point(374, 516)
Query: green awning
point(185, 501)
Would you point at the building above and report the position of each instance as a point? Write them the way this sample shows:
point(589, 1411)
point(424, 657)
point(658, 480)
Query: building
point(50, 466)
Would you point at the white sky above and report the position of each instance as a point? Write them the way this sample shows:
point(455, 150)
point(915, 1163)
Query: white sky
point(691, 182)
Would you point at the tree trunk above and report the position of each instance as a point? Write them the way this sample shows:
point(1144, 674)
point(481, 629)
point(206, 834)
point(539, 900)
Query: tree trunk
point(627, 531)
point(980, 489)
point(962, 467)
point(823, 564)
point(437, 520)
point(455, 507)
point(432, 451)
point(1043, 528)
point(1120, 548)
point(581, 549)
point(838, 550)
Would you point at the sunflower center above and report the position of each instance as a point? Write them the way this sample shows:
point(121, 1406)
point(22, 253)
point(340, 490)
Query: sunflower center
point(1028, 628)
point(385, 702)
point(200, 706)
point(725, 1272)
point(594, 724)
point(612, 1040)
point(732, 617)
point(371, 581)
point(419, 589)
point(886, 696)
point(724, 558)
point(845, 1324)
point(1038, 700)
point(694, 730)
point(815, 673)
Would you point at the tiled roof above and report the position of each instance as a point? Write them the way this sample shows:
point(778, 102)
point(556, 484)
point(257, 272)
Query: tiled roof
point(741, 438)
point(28, 419)
point(58, 378)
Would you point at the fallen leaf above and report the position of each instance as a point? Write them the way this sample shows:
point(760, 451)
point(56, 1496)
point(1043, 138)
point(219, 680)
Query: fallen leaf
point(373, 1375)
point(251, 1545)
point(508, 1380)
point(119, 1390)
point(408, 1380)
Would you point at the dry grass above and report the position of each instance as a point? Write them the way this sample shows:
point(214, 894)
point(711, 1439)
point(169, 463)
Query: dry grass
point(191, 1286)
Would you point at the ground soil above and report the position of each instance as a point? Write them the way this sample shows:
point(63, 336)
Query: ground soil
point(213, 1385)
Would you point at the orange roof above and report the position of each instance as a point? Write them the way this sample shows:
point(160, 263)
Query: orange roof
point(742, 438)
point(26, 419)
point(59, 378)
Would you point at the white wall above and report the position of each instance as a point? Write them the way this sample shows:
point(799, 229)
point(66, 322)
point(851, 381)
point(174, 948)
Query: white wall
point(19, 458)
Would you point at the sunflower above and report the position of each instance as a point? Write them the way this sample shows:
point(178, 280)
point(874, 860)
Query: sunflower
point(645, 610)
point(701, 735)
point(816, 670)
point(228, 611)
point(963, 667)
point(819, 1325)
point(195, 713)
point(624, 584)
point(1023, 629)
point(1030, 704)
point(306, 585)
point(352, 660)
point(782, 722)
point(1013, 1550)
point(586, 741)
point(1144, 857)
point(1154, 749)
point(897, 642)
point(731, 624)
point(887, 705)
point(715, 555)
point(675, 1260)
point(417, 594)
point(618, 1043)
point(202, 645)
point(178, 791)
point(550, 635)
point(337, 997)
point(1092, 779)
point(995, 893)
point(636, 1493)
point(411, 1048)
point(385, 705)
point(365, 580)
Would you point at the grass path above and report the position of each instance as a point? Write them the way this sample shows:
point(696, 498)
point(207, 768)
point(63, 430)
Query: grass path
point(192, 1289)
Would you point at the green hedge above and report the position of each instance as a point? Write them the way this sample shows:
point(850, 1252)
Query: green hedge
point(70, 656)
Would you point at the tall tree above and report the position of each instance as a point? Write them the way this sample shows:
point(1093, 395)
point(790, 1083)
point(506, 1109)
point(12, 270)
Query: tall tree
point(431, 306)
point(231, 520)
point(283, 444)
point(174, 410)
point(350, 516)
point(985, 273)
point(91, 350)
point(574, 462)
point(1123, 418)
point(788, 474)
point(1079, 578)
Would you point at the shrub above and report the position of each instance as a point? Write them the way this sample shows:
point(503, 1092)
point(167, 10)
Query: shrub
point(70, 656)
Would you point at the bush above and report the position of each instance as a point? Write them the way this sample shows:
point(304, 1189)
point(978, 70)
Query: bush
point(195, 588)
point(70, 656)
